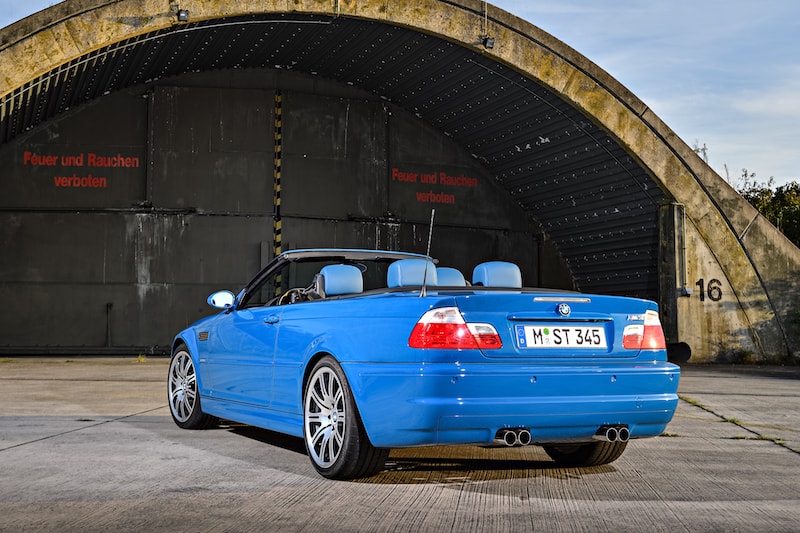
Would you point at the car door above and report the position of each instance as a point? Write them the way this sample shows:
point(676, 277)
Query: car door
point(241, 356)
point(238, 357)
point(237, 364)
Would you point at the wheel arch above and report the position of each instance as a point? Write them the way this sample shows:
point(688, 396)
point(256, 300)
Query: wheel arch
point(310, 363)
point(184, 338)
point(309, 366)
point(323, 344)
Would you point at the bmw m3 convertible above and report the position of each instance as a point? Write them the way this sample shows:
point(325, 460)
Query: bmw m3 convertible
point(361, 351)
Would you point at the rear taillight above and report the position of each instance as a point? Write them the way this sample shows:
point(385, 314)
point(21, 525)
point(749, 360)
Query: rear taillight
point(445, 328)
point(647, 336)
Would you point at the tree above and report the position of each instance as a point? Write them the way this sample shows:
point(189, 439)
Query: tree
point(780, 206)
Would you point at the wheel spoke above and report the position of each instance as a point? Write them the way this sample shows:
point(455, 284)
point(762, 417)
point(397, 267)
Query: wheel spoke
point(180, 367)
point(338, 401)
point(318, 400)
point(333, 386)
point(183, 409)
point(319, 437)
point(314, 418)
point(331, 447)
point(337, 436)
point(323, 392)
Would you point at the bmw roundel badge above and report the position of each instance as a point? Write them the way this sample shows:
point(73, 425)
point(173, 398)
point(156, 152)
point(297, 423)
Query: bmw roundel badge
point(564, 309)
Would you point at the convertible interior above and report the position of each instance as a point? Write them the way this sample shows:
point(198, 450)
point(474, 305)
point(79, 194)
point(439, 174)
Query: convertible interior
point(347, 279)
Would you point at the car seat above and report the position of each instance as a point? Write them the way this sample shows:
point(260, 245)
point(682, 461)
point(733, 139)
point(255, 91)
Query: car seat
point(497, 274)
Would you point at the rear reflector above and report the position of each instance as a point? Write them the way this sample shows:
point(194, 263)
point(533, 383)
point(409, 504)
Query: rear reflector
point(485, 336)
point(647, 336)
point(445, 328)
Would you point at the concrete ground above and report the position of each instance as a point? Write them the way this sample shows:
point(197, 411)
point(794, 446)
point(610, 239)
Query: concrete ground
point(87, 444)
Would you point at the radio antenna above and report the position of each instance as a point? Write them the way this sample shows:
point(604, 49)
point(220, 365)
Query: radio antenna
point(422, 291)
point(430, 233)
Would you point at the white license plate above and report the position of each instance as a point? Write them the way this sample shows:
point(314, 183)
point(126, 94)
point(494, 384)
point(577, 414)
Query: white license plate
point(561, 336)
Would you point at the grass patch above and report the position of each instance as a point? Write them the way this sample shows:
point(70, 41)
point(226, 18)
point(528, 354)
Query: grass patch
point(767, 438)
point(693, 402)
point(775, 440)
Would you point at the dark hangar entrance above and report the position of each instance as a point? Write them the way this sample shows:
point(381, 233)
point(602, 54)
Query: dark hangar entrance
point(177, 163)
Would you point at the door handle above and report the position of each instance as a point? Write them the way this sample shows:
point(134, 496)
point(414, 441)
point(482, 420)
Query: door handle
point(272, 319)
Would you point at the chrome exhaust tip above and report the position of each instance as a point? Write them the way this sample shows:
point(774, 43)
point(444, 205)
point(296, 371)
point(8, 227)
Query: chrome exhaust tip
point(509, 438)
point(613, 434)
point(513, 437)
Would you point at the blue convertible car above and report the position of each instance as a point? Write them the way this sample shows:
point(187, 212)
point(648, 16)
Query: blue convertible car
point(360, 351)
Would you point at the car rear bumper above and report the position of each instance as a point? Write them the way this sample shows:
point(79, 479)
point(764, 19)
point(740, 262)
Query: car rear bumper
point(451, 403)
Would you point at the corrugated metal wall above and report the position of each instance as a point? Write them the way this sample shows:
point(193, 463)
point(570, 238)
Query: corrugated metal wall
point(124, 214)
point(591, 198)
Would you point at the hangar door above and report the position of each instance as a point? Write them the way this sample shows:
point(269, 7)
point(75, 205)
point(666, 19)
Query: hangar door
point(358, 173)
point(126, 213)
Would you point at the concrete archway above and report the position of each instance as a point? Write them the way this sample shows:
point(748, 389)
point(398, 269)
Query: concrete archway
point(612, 186)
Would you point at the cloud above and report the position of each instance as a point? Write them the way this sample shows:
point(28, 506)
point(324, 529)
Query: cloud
point(14, 10)
point(780, 99)
point(720, 72)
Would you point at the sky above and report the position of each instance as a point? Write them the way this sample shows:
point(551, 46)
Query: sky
point(722, 74)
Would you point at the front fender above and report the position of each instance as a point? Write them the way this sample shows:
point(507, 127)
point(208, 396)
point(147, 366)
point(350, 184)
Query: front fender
point(188, 338)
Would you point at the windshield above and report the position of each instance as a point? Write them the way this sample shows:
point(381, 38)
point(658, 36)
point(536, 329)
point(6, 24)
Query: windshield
point(301, 274)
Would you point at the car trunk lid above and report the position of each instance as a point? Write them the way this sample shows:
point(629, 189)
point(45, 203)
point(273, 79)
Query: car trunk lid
point(559, 325)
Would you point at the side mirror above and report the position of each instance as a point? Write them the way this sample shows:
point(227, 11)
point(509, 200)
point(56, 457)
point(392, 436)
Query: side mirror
point(221, 300)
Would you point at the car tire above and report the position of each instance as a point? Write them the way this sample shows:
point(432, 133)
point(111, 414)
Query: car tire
point(182, 393)
point(588, 454)
point(335, 439)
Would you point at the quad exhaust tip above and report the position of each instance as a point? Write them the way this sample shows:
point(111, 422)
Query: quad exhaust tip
point(613, 434)
point(522, 436)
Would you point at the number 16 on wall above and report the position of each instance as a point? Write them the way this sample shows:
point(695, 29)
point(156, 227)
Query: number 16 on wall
point(712, 291)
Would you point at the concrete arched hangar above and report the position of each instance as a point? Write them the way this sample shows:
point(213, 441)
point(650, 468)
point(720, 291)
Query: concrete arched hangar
point(153, 151)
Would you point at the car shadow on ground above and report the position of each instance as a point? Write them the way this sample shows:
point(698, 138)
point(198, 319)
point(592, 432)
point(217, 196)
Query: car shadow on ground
point(442, 464)
point(474, 464)
point(281, 440)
